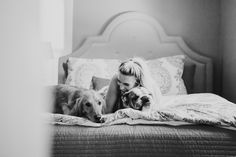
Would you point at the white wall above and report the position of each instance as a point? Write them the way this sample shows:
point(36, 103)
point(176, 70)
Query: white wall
point(56, 25)
point(23, 133)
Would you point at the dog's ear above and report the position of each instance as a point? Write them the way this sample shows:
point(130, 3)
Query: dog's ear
point(126, 99)
point(126, 95)
point(77, 109)
point(75, 96)
point(103, 92)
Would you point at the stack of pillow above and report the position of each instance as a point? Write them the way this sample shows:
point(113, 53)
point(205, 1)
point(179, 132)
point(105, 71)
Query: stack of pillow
point(172, 74)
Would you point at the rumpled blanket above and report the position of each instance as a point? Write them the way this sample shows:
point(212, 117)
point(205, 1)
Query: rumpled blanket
point(203, 108)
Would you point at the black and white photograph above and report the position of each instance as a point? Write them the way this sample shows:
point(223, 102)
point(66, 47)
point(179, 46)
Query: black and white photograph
point(118, 78)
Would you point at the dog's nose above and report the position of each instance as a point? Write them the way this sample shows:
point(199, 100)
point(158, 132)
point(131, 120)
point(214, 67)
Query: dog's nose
point(97, 118)
point(145, 99)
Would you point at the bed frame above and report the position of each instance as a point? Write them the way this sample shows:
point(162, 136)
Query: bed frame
point(132, 34)
point(136, 34)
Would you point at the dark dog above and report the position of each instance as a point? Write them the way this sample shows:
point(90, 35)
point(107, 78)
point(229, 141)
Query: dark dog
point(138, 98)
point(76, 101)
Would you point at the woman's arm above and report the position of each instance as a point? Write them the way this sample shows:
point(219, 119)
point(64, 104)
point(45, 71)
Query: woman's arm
point(112, 95)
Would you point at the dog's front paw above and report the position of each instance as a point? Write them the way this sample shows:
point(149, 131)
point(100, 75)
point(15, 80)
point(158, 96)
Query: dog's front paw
point(107, 118)
point(65, 108)
point(103, 120)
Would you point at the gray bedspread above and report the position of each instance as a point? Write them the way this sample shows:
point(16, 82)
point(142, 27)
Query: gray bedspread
point(143, 140)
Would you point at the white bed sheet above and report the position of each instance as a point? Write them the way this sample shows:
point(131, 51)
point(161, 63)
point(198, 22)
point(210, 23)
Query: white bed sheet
point(203, 108)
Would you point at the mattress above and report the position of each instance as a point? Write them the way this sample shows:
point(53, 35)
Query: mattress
point(142, 140)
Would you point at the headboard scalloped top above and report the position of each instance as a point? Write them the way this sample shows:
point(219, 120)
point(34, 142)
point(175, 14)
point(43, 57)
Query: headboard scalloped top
point(132, 34)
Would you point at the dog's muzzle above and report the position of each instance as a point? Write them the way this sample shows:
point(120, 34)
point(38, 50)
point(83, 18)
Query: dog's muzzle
point(145, 99)
point(97, 118)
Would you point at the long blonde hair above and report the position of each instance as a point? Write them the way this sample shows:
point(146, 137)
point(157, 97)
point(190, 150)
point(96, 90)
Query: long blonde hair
point(138, 68)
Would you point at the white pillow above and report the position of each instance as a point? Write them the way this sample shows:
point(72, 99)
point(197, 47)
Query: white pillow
point(81, 70)
point(167, 72)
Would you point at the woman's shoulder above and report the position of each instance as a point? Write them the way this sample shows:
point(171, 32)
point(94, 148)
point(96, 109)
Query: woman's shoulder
point(113, 82)
point(114, 77)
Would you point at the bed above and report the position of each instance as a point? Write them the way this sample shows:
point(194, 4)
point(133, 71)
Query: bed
point(136, 34)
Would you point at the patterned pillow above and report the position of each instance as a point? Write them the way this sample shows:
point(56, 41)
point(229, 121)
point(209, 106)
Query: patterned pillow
point(81, 70)
point(167, 72)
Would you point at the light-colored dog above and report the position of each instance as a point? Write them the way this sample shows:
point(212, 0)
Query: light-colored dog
point(79, 102)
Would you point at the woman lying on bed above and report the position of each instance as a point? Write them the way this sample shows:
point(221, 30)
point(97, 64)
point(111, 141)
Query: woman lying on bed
point(131, 73)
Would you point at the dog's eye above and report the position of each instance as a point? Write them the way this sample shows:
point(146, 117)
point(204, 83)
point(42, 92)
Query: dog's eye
point(99, 102)
point(134, 97)
point(131, 94)
point(88, 104)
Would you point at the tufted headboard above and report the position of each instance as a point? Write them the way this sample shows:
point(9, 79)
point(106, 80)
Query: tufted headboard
point(132, 34)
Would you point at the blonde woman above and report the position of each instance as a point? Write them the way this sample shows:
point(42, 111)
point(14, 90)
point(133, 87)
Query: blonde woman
point(131, 73)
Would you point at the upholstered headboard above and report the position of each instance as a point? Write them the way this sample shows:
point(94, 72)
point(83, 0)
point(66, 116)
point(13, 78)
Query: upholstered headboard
point(132, 34)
